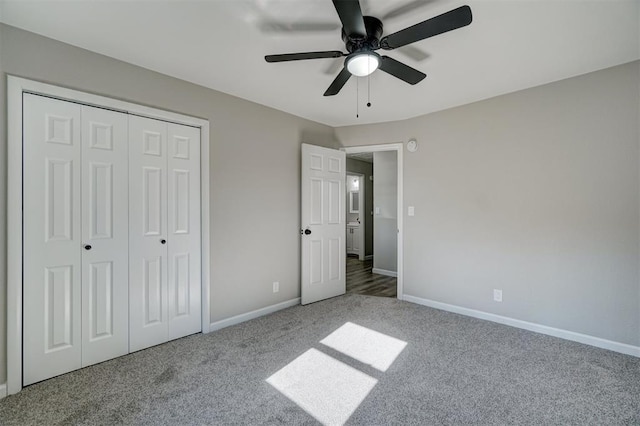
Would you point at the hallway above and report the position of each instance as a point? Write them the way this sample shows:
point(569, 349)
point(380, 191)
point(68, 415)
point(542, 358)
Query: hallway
point(360, 279)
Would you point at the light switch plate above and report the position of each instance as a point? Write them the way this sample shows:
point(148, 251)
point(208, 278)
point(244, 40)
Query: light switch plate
point(411, 211)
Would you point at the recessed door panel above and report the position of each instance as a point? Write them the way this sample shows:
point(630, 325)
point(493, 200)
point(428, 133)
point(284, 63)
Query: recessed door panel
point(152, 288)
point(60, 128)
point(101, 135)
point(181, 278)
point(101, 300)
point(181, 202)
point(105, 230)
point(153, 142)
point(315, 262)
point(152, 200)
point(101, 200)
point(181, 147)
point(335, 165)
point(334, 258)
point(334, 205)
point(59, 186)
point(316, 162)
point(51, 238)
point(58, 312)
point(316, 198)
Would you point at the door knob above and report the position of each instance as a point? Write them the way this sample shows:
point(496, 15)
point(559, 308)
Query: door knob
point(307, 231)
point(87, 247)
point(163, 241)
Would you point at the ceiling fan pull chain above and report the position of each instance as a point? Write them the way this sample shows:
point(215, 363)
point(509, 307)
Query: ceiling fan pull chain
point(357, 97)
point(369, 90)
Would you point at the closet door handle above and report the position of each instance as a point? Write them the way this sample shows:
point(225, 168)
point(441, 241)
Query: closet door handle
point(87, 247)
point(163, 241)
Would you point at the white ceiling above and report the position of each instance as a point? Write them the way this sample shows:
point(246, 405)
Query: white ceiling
point(510, 45)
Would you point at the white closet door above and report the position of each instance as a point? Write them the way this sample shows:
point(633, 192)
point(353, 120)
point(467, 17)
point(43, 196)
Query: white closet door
point(147, 233)
point(52, 239)
point(184, 284)
point(105, 253)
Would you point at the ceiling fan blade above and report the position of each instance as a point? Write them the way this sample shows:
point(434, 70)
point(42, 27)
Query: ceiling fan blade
point(405, 9)
point(339, 81)
point(304, 55)
point(400, 70)
point(451, 20)
point(351, 17)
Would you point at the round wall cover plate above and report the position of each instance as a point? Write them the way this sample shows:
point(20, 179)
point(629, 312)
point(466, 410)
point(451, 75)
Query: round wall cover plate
point(412, 145)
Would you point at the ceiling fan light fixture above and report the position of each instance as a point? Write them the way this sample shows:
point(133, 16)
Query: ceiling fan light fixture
point(363, 63)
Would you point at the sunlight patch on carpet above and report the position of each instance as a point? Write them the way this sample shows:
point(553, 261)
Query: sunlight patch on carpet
point(327, 389)
point(365, 345)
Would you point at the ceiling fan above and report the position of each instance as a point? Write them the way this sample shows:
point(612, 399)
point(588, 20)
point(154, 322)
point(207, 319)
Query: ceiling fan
point(361, 35)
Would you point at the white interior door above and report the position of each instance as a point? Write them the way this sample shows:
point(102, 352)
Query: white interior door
point(147, 233)
point(184, 283)
point(323, 223)
point(105, 252)
point(52, 238)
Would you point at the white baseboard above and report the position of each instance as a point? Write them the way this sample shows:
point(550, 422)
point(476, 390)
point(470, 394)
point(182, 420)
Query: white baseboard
point(253, 314)
point(384, 272)
point(3, 390)
point(538, 328)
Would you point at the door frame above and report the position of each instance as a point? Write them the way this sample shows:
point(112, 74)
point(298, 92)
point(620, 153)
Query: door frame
point(398, 147)
point(16, 86)
point(361, 213)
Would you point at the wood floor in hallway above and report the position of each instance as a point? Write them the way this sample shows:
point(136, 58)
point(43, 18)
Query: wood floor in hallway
point(360, 279)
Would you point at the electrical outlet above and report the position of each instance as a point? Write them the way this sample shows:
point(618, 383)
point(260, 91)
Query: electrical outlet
point(497, 295)
point(276, 286)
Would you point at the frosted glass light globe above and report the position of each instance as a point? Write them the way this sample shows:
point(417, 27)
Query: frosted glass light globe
point(363, 64)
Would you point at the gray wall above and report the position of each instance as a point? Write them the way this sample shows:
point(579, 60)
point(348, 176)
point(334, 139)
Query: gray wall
point(385, 205)
point(534, 192)
point(255, 162)
point(366, 169)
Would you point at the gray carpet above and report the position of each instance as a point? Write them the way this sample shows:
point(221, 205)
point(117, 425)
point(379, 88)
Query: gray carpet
point(453, 370)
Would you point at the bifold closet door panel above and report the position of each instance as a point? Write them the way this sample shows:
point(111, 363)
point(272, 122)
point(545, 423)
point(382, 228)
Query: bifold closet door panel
point(147, 233)
point(184, 283)
point(51, 238)
point(105, 252)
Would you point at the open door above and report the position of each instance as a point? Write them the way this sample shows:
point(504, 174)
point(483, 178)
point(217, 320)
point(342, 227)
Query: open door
point(323, 223)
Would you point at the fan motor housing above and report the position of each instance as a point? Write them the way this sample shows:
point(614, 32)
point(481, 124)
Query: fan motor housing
point(370, 42)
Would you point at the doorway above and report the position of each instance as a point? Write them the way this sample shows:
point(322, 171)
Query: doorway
point(356, 218)
point(379, 271)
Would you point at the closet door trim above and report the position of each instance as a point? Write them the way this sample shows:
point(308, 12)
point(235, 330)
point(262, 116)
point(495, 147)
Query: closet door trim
point(16, 87)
